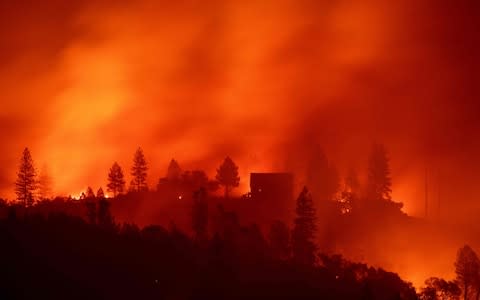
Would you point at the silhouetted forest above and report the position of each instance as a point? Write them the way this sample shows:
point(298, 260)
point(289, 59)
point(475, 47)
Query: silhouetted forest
point(229, 149)
point(266, 244)
point(64, 257)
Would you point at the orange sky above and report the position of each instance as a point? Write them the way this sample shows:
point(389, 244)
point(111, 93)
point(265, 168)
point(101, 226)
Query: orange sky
point(85, 84)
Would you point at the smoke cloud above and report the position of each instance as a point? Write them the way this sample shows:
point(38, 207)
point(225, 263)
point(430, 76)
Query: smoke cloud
point(83, 84)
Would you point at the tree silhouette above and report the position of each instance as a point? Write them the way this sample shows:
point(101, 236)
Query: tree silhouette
point(197, 179)
point(352, 183)
point(303, 245)
point(322, 176)
point(45, 183)
point(100, 194)
point(26, 183)
point(279, 240)
point(139, 172)
point(467, 268)
point(227, 175)
point(350, 193)
point(174, 171)
point(438, 288)
point(379, 181)
point(200, 215)
point(116, 181)
point(90, 194)
point(165, 260)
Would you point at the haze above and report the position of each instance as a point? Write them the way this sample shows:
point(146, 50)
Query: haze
point(84, 84)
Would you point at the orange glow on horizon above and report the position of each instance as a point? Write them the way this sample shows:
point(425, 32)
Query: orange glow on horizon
point(268, 83)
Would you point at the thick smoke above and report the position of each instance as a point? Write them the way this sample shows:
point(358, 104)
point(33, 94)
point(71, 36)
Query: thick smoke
point(84, 84)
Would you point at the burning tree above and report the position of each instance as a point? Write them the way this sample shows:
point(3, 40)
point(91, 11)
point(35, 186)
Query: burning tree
point(379, 180)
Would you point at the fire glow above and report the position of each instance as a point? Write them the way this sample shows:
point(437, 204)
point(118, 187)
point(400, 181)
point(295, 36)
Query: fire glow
point(260, 81)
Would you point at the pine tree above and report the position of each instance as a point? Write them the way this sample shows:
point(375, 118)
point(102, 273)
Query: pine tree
point(100, 194)
point(379, 181)
point(467, 268)
point(322, 176)
point(227, 175)
point(26, 183)
point(200, 214)
point(303, 235)
point(116, 181)
point(174, 171)
point(91, 205)
point(90, 194)
point(139, 172)
point(349, 195)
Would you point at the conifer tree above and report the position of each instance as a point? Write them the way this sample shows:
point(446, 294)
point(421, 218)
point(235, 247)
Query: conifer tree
point(227, 175)
point(350, 194)
point(100, 194)
point(379, 182)
point(303, 235)
point(467, 268)
point(174, 171)
point(26, 183)
point(91, 205)
point(90, 194)
point(322, 176)
point(116, 181)
point(139, 172)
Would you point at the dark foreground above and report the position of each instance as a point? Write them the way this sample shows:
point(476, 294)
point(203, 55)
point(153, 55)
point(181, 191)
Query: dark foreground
point(63, 257)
